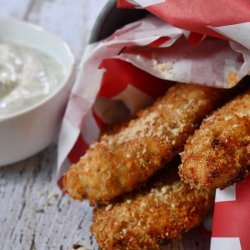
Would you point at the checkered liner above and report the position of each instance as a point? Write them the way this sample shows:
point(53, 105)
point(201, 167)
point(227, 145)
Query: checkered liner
point(205, 42)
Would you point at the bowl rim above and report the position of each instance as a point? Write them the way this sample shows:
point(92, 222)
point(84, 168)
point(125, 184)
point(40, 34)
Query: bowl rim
point(64, 82)
point(101, 18)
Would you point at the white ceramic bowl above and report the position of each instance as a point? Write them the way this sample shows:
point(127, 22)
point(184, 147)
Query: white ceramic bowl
point(28, 132)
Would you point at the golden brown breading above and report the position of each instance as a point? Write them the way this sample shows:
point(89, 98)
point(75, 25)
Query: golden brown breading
point(152, 217)
point(218, 154)
point(122, 161)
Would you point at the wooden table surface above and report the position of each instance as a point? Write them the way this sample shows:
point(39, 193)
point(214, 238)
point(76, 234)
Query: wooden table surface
point(34, 215)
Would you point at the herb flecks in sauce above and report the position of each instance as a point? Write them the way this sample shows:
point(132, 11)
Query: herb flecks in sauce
point(27, 76)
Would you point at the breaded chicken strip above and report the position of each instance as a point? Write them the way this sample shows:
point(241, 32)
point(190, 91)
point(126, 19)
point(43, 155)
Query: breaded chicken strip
point(152, 217)
point(218, 154)
point(119, 162)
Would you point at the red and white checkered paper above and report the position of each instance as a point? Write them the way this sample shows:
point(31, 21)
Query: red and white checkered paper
point(128, 70)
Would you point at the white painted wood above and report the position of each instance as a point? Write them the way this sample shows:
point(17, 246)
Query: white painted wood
point(34, 214)
point(31, 215)
point(71, 19)
point(15, 8)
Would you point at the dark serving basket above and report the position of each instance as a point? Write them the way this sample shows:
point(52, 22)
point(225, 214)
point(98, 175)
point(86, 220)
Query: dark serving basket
point(111, 18)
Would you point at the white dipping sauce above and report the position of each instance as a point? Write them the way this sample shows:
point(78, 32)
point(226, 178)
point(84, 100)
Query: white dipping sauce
point(27, 76)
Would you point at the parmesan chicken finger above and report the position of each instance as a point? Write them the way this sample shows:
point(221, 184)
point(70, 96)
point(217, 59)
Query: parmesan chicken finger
point(151, 217)
point(122, 161)
point(218, 154)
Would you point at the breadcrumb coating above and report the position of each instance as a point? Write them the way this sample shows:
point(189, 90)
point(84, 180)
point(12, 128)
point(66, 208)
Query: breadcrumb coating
point(152, 217)
point(120, 162)
point(218, 154)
